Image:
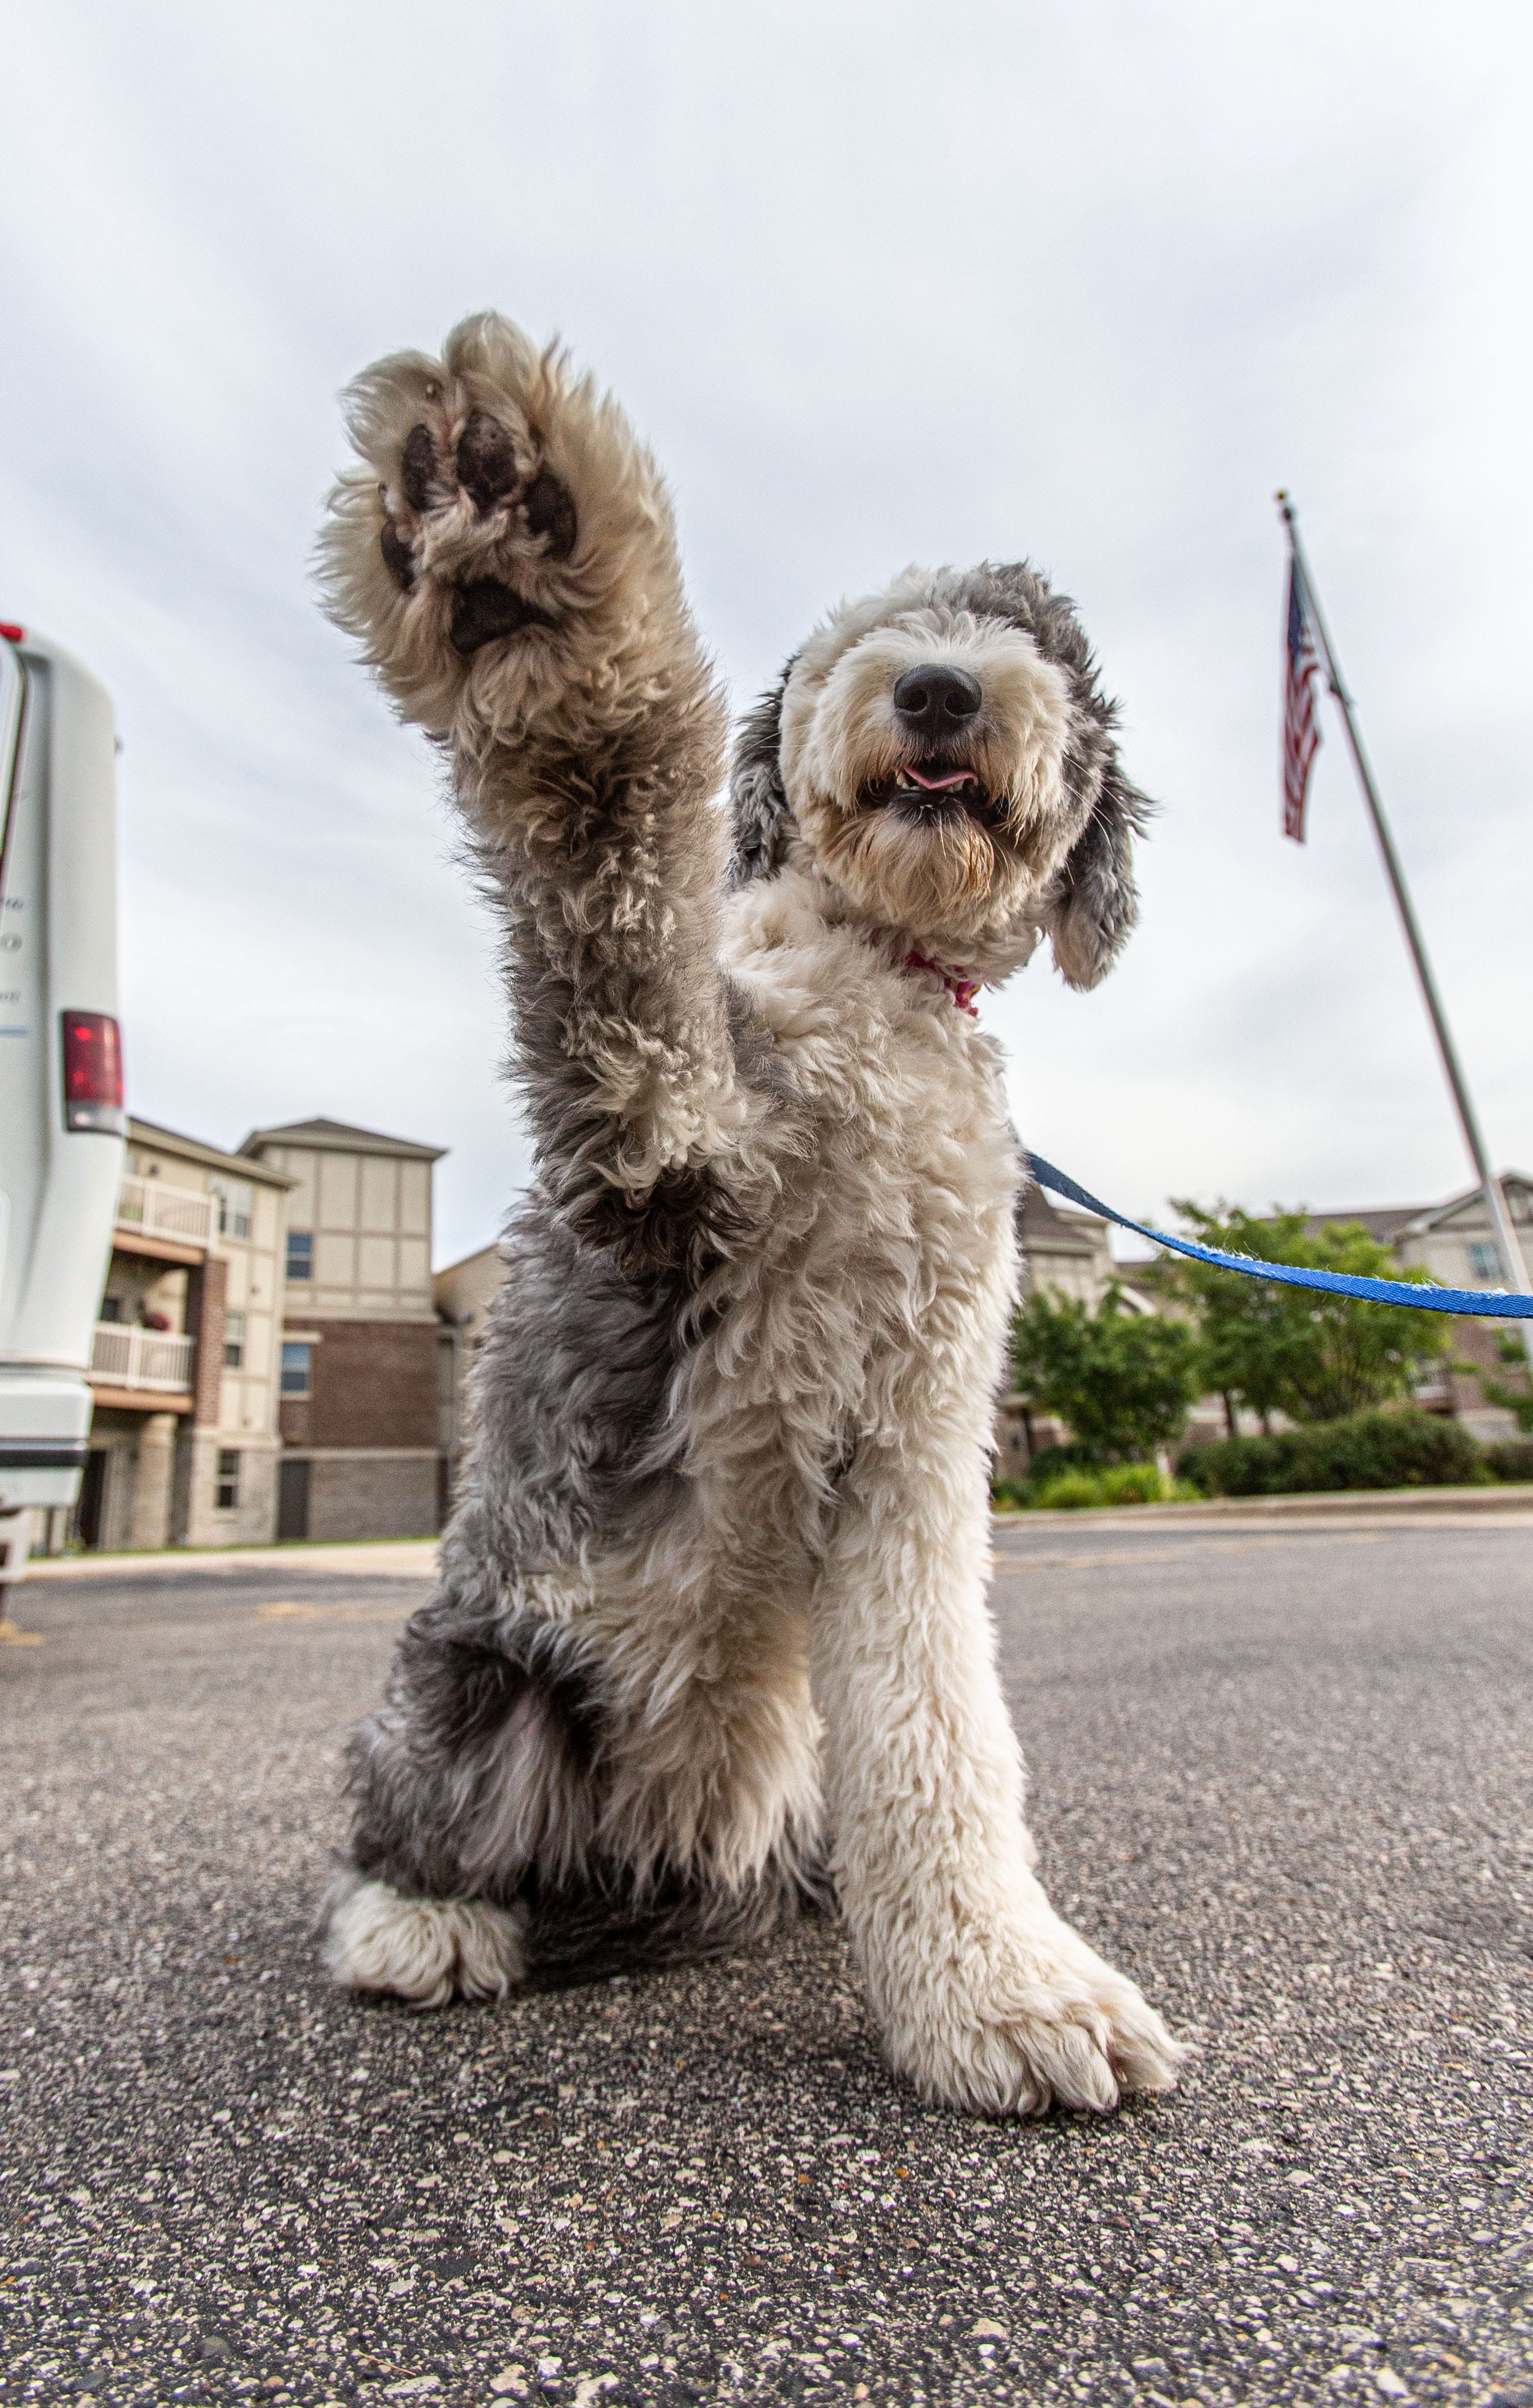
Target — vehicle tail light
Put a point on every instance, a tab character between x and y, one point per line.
12	631
92	1073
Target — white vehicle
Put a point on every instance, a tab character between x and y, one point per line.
61	1069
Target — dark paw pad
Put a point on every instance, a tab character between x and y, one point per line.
550	511
487	469
485	610
418	470
397	557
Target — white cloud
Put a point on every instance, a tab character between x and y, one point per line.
880	283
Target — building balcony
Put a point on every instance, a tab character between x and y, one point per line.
173	1224
140	1366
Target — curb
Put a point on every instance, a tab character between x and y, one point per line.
413	1559
1417	1504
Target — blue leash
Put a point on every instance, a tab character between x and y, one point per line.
1494	1301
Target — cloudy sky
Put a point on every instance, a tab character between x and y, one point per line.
881	283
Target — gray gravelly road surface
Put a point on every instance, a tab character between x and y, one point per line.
1281	1777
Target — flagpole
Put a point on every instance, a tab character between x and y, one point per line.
1514	1269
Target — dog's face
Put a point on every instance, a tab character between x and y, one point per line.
942	752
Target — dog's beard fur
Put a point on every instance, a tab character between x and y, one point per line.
946	874
953	868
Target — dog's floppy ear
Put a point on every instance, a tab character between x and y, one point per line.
758	800
1092	901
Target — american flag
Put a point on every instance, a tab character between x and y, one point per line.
1301	730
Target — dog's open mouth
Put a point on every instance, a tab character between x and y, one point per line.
932	791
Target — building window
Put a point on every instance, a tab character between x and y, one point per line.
296	1354
300	1253
1484	1262
228	1479
235	1206
234	1341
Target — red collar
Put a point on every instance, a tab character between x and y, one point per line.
962	988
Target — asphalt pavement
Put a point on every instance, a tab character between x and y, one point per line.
1282	1776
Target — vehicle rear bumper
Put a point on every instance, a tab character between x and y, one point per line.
45	1422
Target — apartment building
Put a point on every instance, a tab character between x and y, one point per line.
358	1404
185	1358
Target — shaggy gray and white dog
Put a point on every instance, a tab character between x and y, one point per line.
710	1636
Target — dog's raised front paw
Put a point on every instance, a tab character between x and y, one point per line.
1055	2027
467	493
501	503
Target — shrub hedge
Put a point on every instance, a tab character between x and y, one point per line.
1072	1488
1397	1450
1509	1459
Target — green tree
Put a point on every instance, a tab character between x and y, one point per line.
1300	1350
1122	1379
1515	1395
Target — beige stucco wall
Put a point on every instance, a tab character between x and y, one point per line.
370	1217
463	1292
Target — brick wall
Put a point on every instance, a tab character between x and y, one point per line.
373	1384
206	1289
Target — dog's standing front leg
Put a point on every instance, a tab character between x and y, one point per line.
985	1998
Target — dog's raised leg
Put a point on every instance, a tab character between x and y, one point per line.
505	555
986	1999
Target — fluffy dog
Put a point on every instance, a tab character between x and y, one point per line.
710	1635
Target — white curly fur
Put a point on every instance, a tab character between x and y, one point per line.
427	1950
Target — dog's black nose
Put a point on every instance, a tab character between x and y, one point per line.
936	702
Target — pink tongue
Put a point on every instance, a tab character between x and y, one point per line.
936	785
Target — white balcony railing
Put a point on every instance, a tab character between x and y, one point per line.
129	1357
163	1211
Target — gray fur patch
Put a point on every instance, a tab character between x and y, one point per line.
568	1395
458	1687
601	1928
1093	902
763	823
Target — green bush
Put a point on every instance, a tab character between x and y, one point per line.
1121	1483
1067	1492
1008	1496
1399	1450
1134	1484
1509	1458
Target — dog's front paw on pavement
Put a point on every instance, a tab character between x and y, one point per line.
1054	2030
